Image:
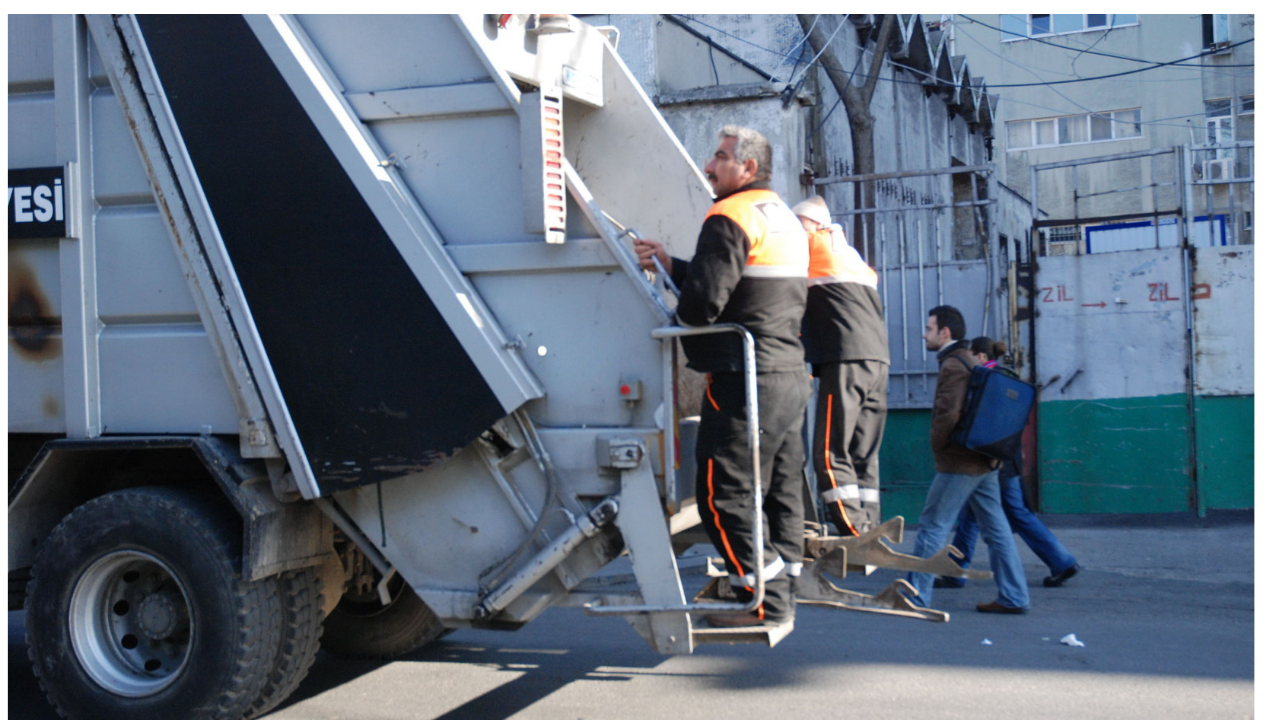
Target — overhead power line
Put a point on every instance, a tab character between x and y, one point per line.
1058	112
1193	77
1153	64
1111	55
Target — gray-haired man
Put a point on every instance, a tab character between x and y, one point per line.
750	268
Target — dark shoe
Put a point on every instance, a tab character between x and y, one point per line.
943	581
995	607
735	619
1065	575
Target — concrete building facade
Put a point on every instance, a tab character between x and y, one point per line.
1132	136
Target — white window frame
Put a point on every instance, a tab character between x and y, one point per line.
1084	22
1088	123
1219	22
1243	98
1226	115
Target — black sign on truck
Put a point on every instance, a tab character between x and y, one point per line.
37	203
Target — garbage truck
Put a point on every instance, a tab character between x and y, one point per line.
325	331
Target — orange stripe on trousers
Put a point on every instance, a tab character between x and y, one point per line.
716	515
831	475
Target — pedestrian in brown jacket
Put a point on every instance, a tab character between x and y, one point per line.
964	477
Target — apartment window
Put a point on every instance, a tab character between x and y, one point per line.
1068	23
1126	124
1216	31
1100	127
1020	27
1074	129
1218	127
1246	105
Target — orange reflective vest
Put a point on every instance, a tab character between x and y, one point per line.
778	242
751	268
844	318
833	260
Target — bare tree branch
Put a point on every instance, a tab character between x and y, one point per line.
857	107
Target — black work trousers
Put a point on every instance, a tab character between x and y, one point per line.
851	413
725	498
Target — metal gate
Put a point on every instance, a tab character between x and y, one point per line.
1142	330
931	235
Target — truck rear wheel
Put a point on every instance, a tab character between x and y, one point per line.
136	609
361	626
302	611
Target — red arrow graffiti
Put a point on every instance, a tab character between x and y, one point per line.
1097	305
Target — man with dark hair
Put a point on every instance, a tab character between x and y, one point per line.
750	268
949	318
964	477
846	341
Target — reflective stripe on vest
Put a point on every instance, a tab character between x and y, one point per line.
833	260
779	245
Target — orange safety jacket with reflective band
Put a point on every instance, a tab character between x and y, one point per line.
778	246
751	267
844	319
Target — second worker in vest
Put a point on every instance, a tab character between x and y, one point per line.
846	341
749	268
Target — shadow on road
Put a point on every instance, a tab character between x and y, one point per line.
1154	602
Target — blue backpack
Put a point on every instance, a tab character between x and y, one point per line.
996	407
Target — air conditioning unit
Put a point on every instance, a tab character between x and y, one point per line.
1221	170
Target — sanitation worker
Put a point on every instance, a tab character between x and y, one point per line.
846	341
750	268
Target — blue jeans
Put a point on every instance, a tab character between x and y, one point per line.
948	495
1022	521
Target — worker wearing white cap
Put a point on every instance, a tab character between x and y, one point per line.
847	343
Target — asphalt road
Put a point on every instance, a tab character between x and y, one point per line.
1164	606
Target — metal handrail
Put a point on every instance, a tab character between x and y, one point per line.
663	276
669	334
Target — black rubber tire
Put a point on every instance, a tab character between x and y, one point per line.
177	551
374	630
302	612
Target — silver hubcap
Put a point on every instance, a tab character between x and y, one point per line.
130	623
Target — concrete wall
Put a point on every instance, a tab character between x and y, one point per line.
699	88
1223	303
1121	428
697	126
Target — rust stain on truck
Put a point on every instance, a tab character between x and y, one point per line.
33	330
